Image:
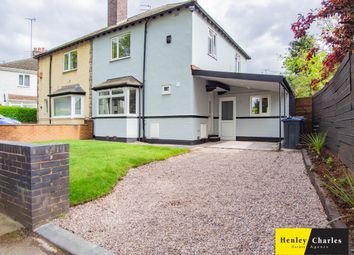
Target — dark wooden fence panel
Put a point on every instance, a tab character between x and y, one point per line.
333	111
304	108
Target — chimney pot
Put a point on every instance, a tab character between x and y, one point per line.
117	11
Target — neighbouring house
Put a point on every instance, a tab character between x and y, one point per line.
64	85
168	75
18	83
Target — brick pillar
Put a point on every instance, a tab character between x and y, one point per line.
34	182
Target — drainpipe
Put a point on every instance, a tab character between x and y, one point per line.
279	117
144	76
50	89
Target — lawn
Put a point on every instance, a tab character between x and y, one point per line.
96	166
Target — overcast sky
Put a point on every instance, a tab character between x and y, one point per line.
261	27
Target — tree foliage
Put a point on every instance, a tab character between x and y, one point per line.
303	64
338	38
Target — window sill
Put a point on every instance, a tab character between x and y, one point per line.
212	56
68	117
117	59
21	86
69	71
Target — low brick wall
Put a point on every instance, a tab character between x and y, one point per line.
45	132
34	182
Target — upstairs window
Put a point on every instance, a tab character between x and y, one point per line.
260	105
70	61
24	80
212	43
121	46
237	63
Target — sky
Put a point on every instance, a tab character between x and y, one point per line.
260	27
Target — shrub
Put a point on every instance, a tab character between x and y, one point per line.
329	161
343	189
316	141
19	113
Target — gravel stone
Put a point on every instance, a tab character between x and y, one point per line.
210	201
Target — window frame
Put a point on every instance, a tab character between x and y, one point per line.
260	114
70	69
117	38
212	37
238	63
23	85
72	107
126	96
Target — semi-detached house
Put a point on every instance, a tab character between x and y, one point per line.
168	75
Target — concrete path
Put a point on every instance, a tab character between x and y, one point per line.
210	201
262	146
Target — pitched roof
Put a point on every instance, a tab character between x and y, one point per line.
144	16
24	64
118	82
69	90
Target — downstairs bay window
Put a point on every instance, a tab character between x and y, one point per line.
118	102
70	106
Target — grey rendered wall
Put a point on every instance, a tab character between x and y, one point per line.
226	53
165	64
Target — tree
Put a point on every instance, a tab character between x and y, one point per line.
338	38
303	66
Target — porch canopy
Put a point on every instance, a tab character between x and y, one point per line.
220	81
246	80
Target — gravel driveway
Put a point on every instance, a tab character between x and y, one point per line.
210	201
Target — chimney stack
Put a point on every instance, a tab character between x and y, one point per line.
117	11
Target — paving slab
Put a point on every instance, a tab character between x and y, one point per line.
8	225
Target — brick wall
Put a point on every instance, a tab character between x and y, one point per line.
304	108
34	182
44	132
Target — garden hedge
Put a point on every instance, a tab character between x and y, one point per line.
19	113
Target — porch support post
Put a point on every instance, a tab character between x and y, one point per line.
284	102
279	117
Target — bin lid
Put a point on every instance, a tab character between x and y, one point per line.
291	118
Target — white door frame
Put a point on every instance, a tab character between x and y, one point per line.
234	117
210	113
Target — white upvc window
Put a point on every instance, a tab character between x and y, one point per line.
260	105
70	61
212	43
120	46
70	106
238	63
24	80
117	102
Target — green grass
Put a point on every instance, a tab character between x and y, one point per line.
96	166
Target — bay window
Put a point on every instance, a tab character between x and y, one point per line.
260	105
117	102
70	106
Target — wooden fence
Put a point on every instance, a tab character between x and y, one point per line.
333	111
304	108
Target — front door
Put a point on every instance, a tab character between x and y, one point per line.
227	121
